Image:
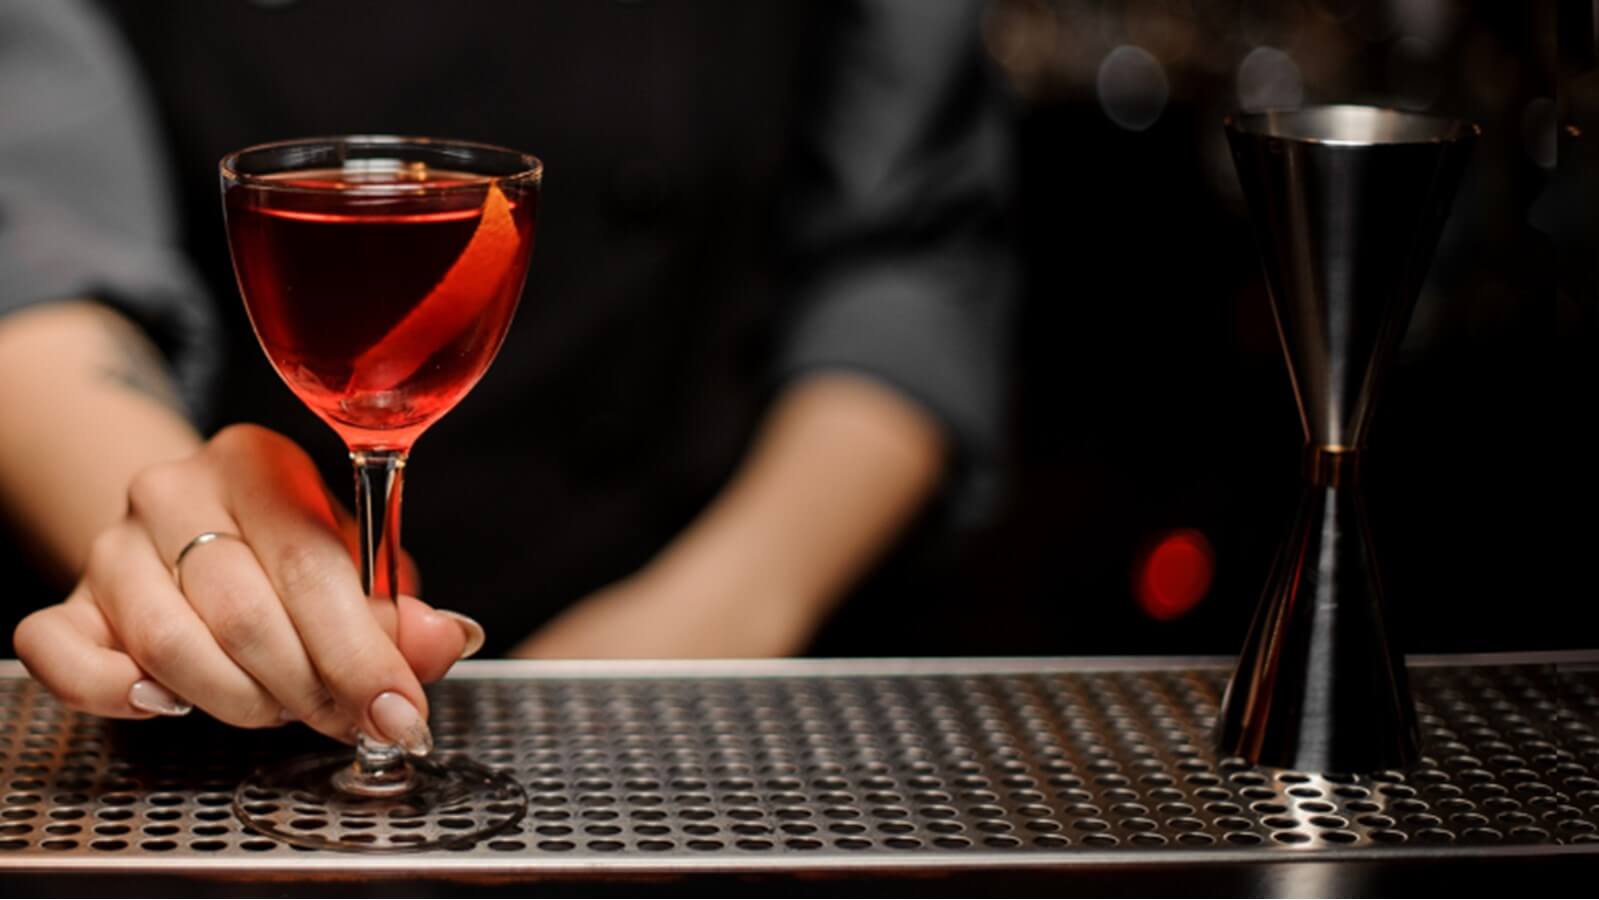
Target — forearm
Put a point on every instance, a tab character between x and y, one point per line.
840	466
85	402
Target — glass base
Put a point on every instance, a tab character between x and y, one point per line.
449	802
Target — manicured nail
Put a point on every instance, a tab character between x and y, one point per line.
399	722
150	697
470	628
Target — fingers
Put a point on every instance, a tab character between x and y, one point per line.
233	597
224	584
270	627
275	494
432	640
68	649
158	628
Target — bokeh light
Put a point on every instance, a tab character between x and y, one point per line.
1132	87
1268	78
1175	575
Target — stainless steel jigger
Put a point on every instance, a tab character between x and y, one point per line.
1347	204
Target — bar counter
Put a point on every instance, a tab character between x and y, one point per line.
920	776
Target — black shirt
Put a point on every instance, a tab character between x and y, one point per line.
735	194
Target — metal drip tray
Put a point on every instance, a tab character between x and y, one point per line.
853	767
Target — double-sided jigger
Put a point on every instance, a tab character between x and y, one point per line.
1347	204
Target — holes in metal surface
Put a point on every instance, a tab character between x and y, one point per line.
1091	825
1139	824
1043	825
1029	758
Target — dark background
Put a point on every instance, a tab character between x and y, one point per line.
1150	393
1148	396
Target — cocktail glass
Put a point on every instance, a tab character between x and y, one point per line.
380	275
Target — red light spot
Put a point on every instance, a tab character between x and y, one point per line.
1175	574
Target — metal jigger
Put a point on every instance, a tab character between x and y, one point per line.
1347	204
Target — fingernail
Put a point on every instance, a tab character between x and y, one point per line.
150	697
472	630
287	715
399	722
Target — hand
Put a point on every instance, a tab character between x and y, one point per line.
840	465
667	615
260	631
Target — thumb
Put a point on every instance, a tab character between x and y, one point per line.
432	640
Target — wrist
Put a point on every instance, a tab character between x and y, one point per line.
840	465
723	593
101	378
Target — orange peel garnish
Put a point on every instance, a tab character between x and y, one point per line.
452	305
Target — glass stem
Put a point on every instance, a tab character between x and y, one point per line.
380	769
378	479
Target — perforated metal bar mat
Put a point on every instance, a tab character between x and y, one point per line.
817	766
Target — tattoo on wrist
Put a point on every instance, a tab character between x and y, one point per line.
137	365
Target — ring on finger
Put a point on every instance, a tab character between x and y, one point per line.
199	540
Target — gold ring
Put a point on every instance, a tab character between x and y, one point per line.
199	540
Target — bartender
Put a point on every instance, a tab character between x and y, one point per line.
761	343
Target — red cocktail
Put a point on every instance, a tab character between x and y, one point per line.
380	294
381	275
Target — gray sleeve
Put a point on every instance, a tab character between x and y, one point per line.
902	258
85	207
